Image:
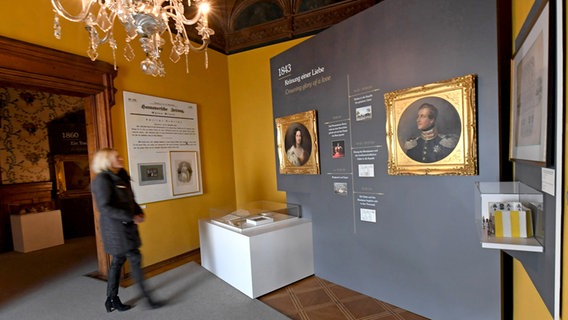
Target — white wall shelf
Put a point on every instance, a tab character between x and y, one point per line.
491	192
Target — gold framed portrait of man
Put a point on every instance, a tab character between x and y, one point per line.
431	129
297	138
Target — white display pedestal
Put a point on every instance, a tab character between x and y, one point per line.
259	260
34	231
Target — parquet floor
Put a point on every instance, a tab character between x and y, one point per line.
314	298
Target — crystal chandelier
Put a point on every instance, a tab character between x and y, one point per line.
146	19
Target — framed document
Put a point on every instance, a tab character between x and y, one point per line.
529	96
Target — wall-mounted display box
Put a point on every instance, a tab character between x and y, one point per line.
259	247
506	202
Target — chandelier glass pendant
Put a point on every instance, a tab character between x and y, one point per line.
146	19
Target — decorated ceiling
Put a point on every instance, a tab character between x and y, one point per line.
246	24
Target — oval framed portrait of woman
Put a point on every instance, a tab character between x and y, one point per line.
297	143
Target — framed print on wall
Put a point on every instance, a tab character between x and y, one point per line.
185	172
298	143
152	173
431	129
529	96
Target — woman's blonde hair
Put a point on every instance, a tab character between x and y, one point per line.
102	160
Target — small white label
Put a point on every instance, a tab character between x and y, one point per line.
548	185
368	215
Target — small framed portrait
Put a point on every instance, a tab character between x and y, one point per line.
431	129
338	149
151	173
72	175
185	172
298	143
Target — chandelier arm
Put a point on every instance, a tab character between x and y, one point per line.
182	18
171	34
111	19
78	18
201	47
204	45
103	40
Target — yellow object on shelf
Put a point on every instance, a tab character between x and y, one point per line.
513	224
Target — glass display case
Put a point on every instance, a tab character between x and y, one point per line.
509	216
258	247
254	215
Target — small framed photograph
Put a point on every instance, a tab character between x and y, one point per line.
529	97
298	143
151	173
185	172
431	129
340	188
364	113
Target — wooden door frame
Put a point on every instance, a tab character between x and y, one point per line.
25	65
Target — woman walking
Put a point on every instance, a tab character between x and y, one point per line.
119	219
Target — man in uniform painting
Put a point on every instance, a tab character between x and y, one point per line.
430	146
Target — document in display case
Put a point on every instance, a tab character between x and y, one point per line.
254	214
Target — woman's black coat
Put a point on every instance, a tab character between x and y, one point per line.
115	200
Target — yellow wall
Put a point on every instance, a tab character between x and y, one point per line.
564	270
253	125
527	303
171	226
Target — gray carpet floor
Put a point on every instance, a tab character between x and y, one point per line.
189	292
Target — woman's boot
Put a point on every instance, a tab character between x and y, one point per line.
113	303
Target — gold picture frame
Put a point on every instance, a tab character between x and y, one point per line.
72	175
302	157
441	140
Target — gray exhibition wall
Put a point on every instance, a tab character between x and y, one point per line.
423	253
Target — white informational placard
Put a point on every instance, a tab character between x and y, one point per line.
548	183
163	147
